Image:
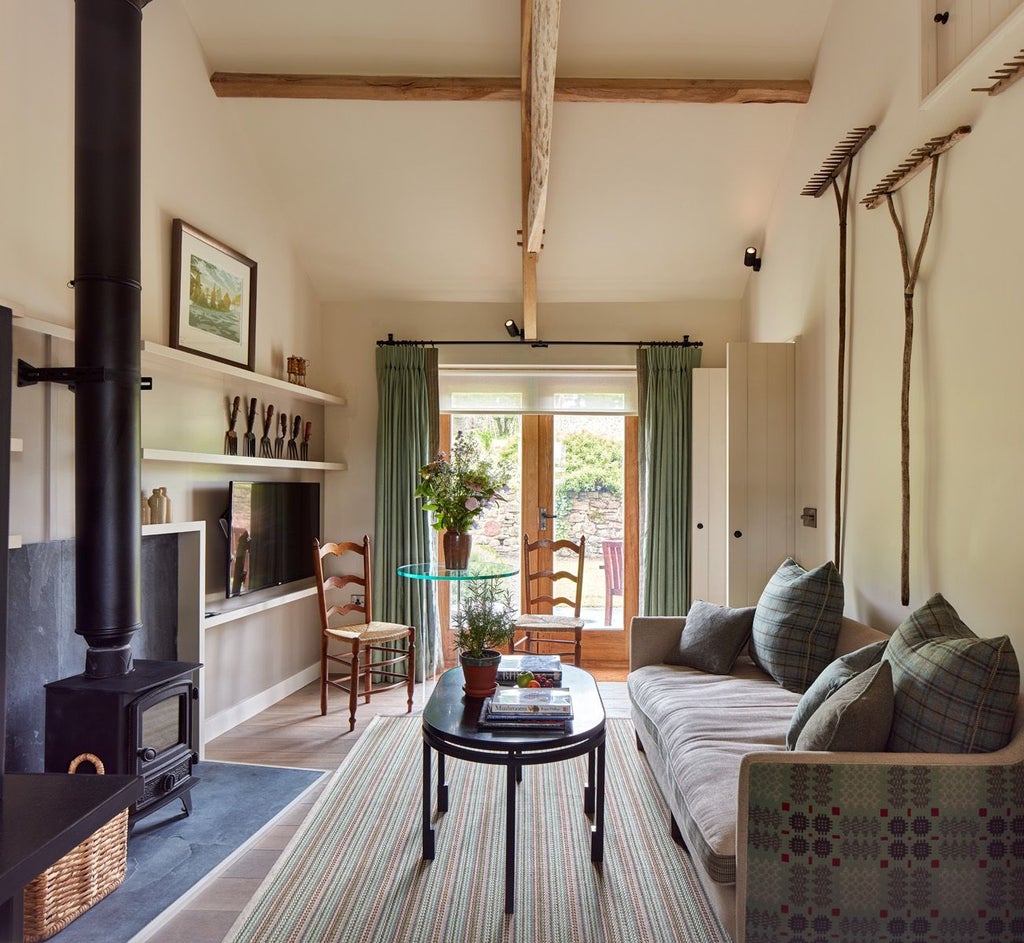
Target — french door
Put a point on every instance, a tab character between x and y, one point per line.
570	475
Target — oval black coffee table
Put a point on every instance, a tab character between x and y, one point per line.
450	727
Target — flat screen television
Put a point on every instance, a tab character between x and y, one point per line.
270	526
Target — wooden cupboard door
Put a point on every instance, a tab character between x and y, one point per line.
708	486
760	455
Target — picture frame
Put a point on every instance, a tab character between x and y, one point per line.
213	298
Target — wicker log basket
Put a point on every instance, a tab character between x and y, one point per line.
84	876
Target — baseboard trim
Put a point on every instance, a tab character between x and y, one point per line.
225	720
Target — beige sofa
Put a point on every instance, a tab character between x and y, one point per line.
802	846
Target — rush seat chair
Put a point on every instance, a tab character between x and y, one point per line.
373	656
539	632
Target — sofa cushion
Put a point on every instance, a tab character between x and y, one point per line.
856	718
696	728
712	638
954	692
796	623
665	689
835	675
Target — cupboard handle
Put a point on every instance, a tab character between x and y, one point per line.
700	526
737	533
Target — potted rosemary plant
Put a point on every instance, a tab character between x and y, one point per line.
484	622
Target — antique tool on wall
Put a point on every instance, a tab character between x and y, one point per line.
919	158
282	422
827	177
231	437
304	448
293	449
268	421
250	436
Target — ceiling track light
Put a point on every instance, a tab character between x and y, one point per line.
751	259
514	330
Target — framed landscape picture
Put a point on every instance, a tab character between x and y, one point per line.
213	298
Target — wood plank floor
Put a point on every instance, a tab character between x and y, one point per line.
292	733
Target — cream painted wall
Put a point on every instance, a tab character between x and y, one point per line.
968	385
351	332
192	167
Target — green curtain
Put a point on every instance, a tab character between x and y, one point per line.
407	436
665	385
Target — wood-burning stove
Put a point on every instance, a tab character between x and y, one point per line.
142	724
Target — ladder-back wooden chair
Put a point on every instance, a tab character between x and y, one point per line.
548	633
612	566
364	640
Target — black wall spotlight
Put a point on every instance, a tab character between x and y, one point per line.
751	259
514	330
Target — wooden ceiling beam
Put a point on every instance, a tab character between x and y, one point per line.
501	88
525	96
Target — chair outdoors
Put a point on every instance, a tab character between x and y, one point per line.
612	566
547	633
365	641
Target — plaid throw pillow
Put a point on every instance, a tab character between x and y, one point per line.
954	692
796	623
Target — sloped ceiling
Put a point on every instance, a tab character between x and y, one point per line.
421	200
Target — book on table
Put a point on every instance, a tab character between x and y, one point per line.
490	720
540	666
532	701
520	722
527	709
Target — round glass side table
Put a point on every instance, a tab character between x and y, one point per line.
475	571
438	572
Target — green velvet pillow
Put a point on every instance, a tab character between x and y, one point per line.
955	692
712	638
796	623
843	669
856	719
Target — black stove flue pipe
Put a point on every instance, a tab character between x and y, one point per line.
108	122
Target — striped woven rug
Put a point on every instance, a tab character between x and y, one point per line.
354	874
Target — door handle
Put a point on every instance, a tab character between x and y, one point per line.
545	517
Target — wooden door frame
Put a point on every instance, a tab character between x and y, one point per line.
602	648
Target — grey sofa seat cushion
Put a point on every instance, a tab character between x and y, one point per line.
659	689
702	760
697	728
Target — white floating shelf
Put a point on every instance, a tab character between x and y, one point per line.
176	527
237	461
44	327
157	353
223	610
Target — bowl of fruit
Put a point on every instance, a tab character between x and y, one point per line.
527	679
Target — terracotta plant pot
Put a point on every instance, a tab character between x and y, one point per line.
456	547
481	673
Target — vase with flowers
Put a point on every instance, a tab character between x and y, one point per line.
457	488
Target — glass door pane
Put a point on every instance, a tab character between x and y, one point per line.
497	535
589	489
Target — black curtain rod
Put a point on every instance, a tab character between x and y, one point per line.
520	342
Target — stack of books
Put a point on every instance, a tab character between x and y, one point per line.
527	709
548	667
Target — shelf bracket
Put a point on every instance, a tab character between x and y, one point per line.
69	376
